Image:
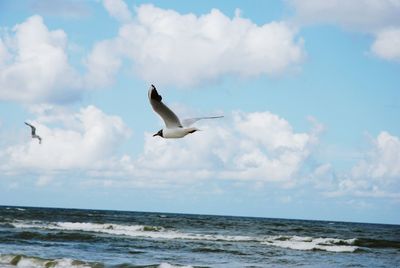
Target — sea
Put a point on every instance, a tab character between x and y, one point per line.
57	237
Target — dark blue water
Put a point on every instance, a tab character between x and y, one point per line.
49	237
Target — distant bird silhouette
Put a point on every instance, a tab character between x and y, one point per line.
33	133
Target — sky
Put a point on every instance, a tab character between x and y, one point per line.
309	90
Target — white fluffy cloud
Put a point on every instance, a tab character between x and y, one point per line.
383	162
4	55
249	147
376	175
270	130
185	49
118	9
254	147
163	46
90	140
102	64
380	18
387	44
34	65
35	68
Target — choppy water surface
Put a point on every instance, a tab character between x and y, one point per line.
49	237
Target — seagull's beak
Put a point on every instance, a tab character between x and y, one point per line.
159	133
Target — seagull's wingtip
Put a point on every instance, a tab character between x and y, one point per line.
153	94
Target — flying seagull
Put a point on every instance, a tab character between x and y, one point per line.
174	128
33	133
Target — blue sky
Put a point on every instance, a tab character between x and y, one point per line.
309	90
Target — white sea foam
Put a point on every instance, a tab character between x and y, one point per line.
130	230
167	265
310	243
8	260
158	232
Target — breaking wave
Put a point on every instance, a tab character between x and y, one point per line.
88	232
17	260
156	232
311	243
11	260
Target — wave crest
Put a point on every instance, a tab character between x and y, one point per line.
159	232
156	232
311	243
28	261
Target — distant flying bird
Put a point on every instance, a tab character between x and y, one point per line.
174	128
33	133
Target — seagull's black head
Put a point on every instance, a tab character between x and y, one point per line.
159	133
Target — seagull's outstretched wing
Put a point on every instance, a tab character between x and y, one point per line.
189	121
170	119
32	127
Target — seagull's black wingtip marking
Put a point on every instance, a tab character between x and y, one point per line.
154	94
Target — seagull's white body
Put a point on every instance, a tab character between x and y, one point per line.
173	129
175	133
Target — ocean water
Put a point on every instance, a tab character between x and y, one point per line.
51	237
